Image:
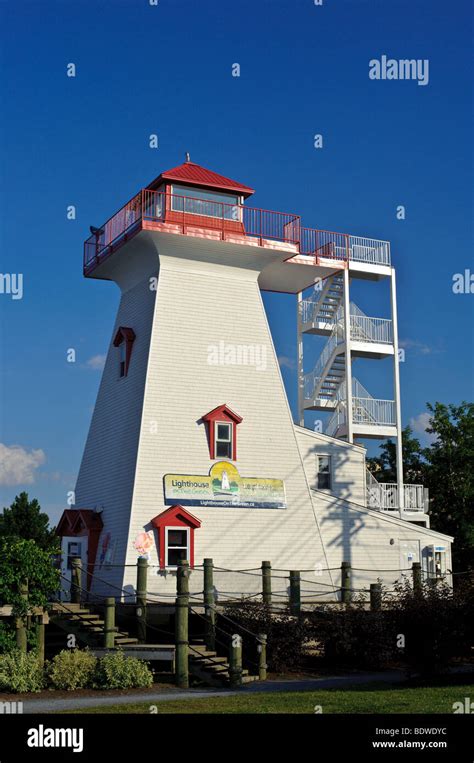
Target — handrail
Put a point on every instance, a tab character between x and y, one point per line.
262	224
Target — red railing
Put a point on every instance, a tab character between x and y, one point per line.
230	220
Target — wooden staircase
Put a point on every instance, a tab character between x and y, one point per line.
207	667
87	627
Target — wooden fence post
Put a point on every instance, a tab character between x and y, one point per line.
209	604
181	626
20	623
40	634
267	582
345	582
295	592
262	656
235	661
375	596
140	610
109	622
417	584
76	580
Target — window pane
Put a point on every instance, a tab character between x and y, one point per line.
223	431
324	481
208	203
177	538
176	555
323	463
223	449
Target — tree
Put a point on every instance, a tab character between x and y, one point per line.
22	561
450	476
384	467
24	519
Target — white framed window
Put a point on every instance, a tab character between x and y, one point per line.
324	475
197	201
176	545
223	439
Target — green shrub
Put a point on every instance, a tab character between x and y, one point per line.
20	672
115	671
7	636
71	669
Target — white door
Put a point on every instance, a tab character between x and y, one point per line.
70	548
409	553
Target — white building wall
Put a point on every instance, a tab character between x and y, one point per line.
107	472
197	307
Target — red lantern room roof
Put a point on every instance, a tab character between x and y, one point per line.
193	174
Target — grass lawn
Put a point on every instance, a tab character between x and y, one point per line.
367	698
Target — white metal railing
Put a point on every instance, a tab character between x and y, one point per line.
369	410
367	329
337	420
384	496
312	378
369	250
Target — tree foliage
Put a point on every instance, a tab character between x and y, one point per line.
22	561
24	519
446	467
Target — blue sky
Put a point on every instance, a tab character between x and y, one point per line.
166	69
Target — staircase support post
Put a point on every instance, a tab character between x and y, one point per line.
396	386
417	585
20	623
140	610
76	580
262	656
235	661
181	626
209	604
109	622
267	583
375	597
299	339
345	583
348	356
295	592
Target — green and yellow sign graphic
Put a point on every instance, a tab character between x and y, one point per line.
224	487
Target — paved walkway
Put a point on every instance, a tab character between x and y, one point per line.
55	705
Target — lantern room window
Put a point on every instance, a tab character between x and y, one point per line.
195	201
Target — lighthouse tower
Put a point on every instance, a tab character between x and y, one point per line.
192	451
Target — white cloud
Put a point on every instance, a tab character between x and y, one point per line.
419	424
418	348
17	465
286	362
96	362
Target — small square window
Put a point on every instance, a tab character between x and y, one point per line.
324	472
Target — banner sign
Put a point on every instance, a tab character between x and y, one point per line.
224	487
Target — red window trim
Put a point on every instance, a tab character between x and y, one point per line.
175	516
221	415
127	335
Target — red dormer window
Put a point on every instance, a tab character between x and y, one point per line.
222	432
124	339
175	528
